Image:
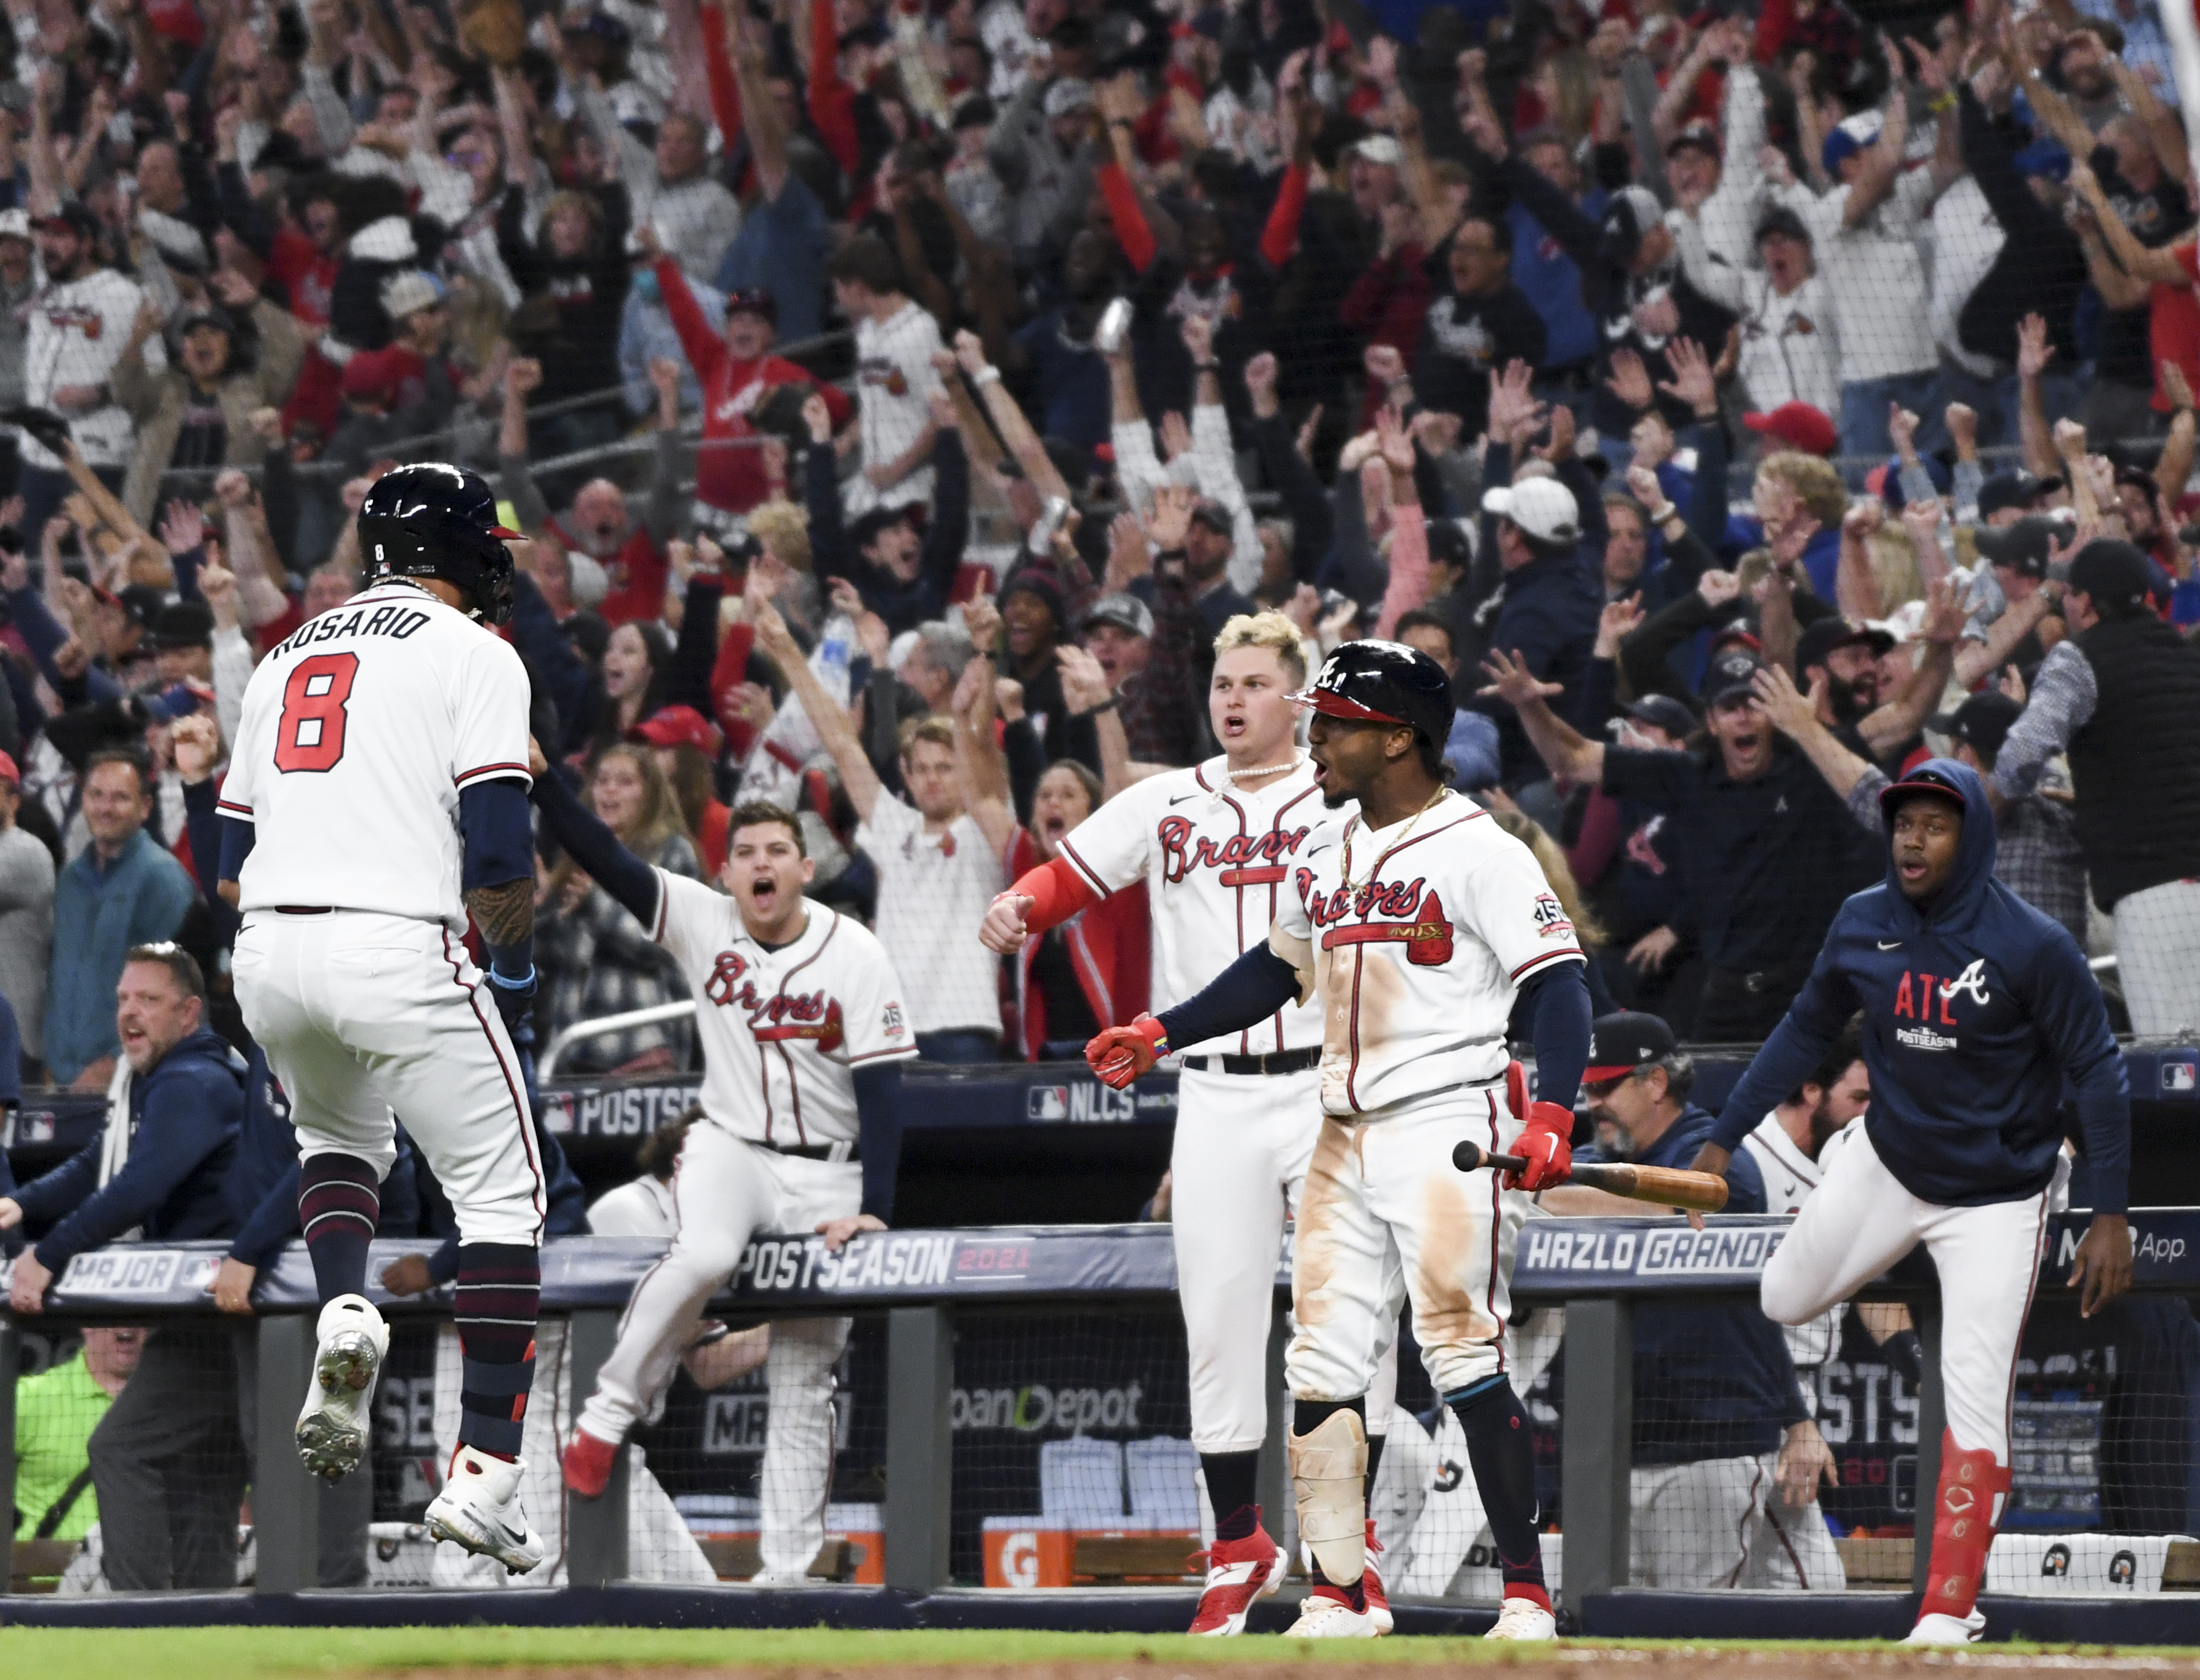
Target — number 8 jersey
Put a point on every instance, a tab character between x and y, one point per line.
360	731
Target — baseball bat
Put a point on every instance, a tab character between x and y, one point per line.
1669	1187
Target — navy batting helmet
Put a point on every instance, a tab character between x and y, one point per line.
1383	682
435	520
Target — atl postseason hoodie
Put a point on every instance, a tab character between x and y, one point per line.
1976	1007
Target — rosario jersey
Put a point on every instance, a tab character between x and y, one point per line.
360	730
1417	937
782	1030
1216	862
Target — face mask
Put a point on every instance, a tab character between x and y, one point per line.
645	287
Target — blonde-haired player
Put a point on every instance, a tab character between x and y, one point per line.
1215	844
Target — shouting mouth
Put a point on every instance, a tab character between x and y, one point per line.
764	893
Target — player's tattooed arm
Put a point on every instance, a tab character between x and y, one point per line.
505	912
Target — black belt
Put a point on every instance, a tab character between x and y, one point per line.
813	1152
1275	1062
305	909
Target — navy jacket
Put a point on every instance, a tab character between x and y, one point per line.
1549	615
1975	1010
185	1116
1710	1381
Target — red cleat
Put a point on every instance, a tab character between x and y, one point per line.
587	1463
1378	1606
1237	1572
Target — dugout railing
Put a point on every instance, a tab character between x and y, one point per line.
921	1295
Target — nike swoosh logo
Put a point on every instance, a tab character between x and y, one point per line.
1179	802
1233	1574
1890	944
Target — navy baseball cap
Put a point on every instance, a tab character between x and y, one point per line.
1620	1043
1732	675
1981	723
1662	711
1923	782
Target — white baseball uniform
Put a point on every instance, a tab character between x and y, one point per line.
1417	938
75	337
359	733
1215	860
782	1030
1790	1176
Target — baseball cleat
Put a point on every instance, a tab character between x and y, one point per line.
352	1342
1523	1618
479	1509
587	1463
1326	1613
1238	1572
1939	1630
1378	1606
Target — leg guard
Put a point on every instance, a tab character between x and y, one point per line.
1329	1465
1964	1514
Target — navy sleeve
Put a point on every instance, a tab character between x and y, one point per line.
543	644
1706	511
1797	1044
272	1224
236	838
179	1128
55	1191
618	872
203	824
696	652
949	533
821	488
1560	998
498	837
1243	995
2066	1004
878	1113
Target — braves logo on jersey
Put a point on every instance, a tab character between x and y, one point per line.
1927	1004
1244	860
1419	923
783	1015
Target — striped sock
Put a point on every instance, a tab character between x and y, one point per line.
500	1291
339	1200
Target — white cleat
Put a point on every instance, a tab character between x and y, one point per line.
1938	1629
479	1509
1523	1619
1321	1617
352	1342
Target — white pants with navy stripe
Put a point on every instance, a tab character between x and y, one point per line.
1720	1522
726	1191
361	1014
1386	1221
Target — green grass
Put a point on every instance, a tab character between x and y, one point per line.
246	1653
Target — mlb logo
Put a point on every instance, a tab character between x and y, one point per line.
557	1111
2179	1078
1047	1102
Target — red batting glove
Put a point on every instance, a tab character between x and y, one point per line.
1545	1147
1516	1090
1119	1055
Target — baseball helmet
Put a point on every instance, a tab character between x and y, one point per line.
435	520
1383	682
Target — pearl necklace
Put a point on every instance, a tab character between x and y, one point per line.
1344	863
1266	770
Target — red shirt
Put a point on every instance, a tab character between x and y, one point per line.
636	575
2173	323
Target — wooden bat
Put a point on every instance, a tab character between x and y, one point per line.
1669	1186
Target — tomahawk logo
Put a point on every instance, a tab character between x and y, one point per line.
1971	983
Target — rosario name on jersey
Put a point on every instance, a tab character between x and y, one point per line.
360	731
782	1030
1216	860
1419	955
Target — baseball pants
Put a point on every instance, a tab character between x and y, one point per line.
726	1191
1720	1522
659	1546
361	1014
2158	957
1386	1221
1861	1220
1236	1171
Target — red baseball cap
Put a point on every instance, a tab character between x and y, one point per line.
1798	425
680	726
9	773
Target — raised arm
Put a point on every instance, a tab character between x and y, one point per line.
629	881
826	714
1557	742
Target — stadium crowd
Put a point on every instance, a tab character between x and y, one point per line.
901	399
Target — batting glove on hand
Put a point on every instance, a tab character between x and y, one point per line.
1119	1055
1544	1146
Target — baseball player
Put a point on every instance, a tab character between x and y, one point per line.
1419	921
1977	1009
375	796
1215	844
804	1032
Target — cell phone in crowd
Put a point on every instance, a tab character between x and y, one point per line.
1049	522
1115	324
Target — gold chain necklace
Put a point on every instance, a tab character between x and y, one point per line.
1345	861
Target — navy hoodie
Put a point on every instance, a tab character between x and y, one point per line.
183	1120
1976	1008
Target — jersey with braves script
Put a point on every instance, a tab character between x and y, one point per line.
894	380
1419	937
360	729
1790	1176
783	1029
74	336
1216	862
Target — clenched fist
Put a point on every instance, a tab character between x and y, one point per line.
1119	1055
1003	929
